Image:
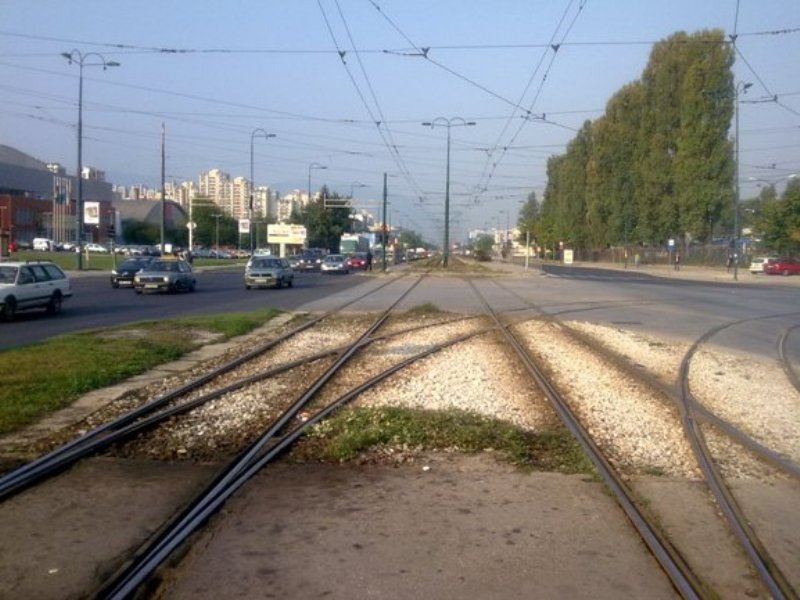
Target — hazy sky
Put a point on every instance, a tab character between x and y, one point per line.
215	71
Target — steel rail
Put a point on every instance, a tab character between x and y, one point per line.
282	444
672	391
44	465
674	565
773	578
151	420
147	559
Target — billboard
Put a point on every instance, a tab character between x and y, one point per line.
244	225
91	213
280	233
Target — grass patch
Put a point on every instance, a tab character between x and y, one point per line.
44	377
421	310
353	431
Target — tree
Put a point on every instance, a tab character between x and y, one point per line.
325	225
780	221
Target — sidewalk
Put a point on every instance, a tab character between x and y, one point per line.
686	272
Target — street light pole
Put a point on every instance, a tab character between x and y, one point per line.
457	121
353	185
253	135
313	165
217	216
740	87
78	57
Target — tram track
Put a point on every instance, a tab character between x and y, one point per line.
678	394
293	428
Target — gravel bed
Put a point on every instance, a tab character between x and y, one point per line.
640	432
752	393
637	431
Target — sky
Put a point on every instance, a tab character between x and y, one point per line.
348	84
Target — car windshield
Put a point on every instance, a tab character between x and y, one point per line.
132	264
266	263
163	265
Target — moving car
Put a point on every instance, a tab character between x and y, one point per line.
309	261
32	284
782	266
358	260
122	274
165	275
92	247
335	263
268	271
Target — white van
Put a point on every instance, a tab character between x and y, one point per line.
44	244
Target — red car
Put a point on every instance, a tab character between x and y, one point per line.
357	260
782	266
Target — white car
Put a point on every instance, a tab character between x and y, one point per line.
92	247
757	266
32	284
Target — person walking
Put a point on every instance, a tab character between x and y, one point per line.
677	261
369	260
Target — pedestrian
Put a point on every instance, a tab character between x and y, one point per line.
636	259
369	260
677	261
730	263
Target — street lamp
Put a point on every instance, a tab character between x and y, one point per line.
353	185
454	121
266	136
82	60
217	216
741	87
313	165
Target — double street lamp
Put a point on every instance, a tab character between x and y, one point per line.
90	59
266	136
452	122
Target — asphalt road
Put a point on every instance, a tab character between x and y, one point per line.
672	305
96	304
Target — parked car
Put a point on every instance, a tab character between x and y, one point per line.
165	275
757	264
358	260
268	271
122	275
782	266
32	284
93	247
335	263
43	244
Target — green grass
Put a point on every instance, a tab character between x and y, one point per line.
44	377
352	431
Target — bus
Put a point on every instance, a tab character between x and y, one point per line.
351	243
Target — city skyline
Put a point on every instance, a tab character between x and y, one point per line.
347	85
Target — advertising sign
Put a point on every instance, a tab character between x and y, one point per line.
244	225
279	233
91	213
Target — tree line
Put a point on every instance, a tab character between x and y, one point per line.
657	165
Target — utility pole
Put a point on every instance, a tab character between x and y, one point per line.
383	222
163	186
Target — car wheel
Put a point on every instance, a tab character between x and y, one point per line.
192	286
785	272
247	287
137	290
54	306
278	283
114	284
290	283
9	309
